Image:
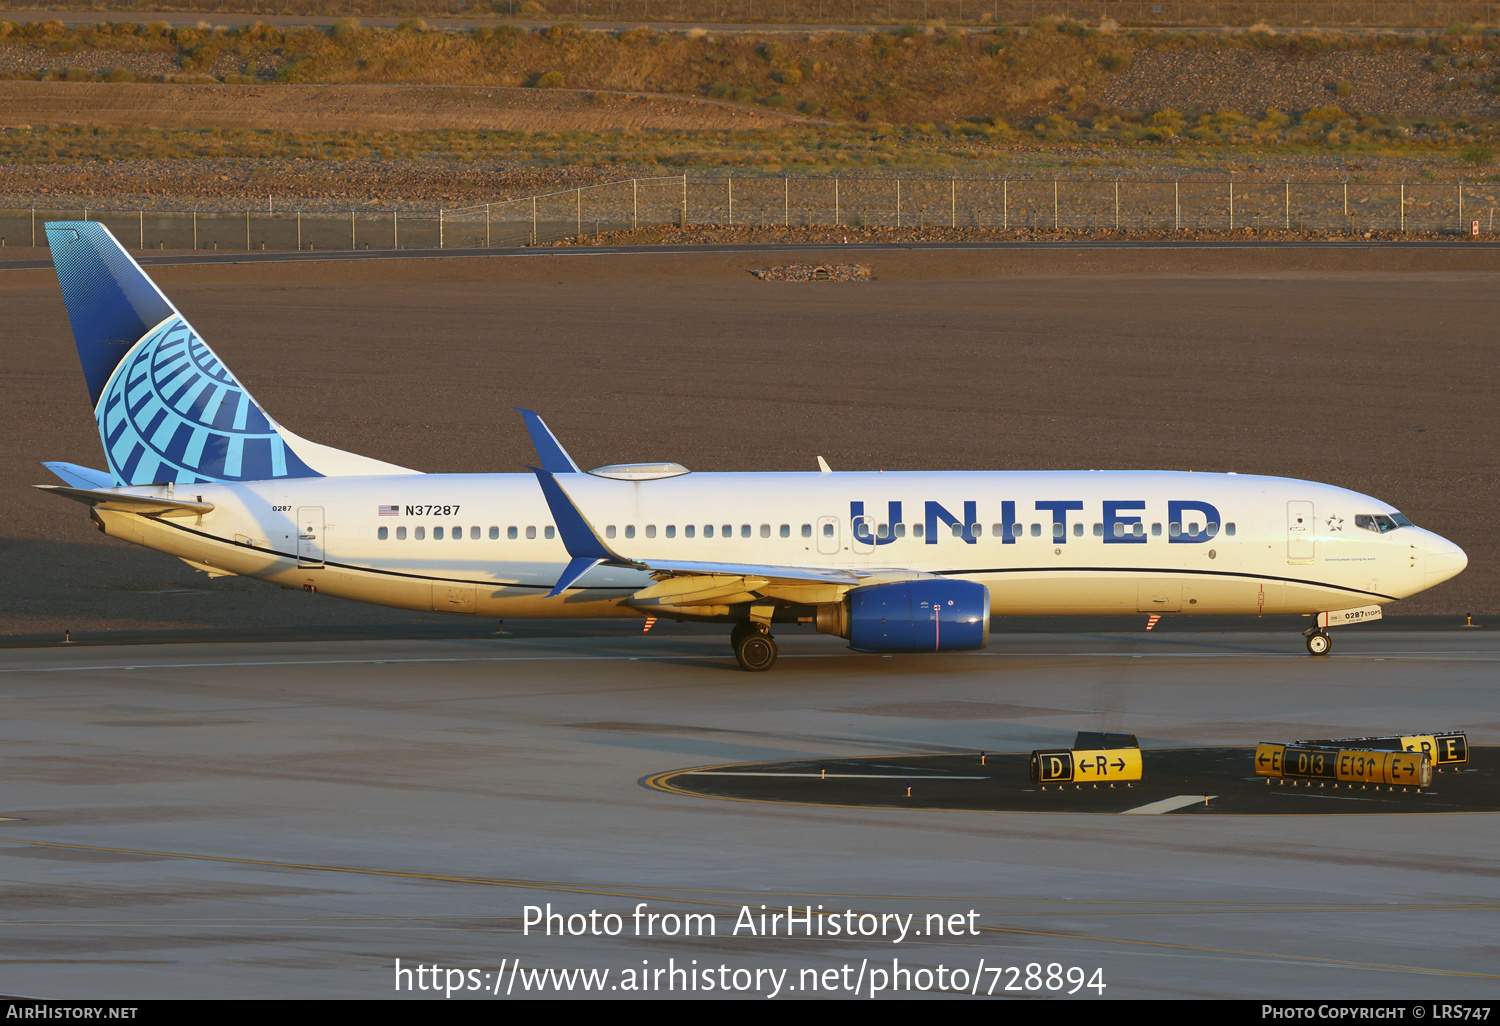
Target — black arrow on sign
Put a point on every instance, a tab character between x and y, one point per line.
1119	764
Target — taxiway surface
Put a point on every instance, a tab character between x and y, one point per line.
289	819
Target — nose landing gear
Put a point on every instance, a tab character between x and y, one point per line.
754	648
1318	641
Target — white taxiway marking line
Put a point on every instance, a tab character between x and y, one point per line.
829	776
1182	801
1418	656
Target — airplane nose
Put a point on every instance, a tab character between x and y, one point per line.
1444	560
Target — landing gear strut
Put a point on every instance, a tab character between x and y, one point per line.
1318	642
754	648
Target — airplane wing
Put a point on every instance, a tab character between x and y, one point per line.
146	505
681	582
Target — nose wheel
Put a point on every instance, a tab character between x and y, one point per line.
754	648
1318	643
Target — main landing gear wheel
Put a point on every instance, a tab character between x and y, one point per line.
755	650
744	629
1319	643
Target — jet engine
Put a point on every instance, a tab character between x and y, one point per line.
928	615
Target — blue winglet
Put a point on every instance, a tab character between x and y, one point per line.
577	536
576	568
555	459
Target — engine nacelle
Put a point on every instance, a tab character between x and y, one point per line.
919	616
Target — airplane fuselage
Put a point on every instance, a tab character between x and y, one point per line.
1054	542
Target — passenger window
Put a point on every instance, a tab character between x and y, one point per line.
437	534
1193	530
510	534
609	532
494	534
727	532
473	534
1077	530
786	530
1213	529
744	530
401	534
958	530
671	530
807	530
916	530
630	530
1015	530
1118	529
1174	529
1138	530
708	530
550	531
1156	530
998	530
457	534
1036	530
531	533
420	533
765	530
900	530
1098	530
650	530
1229	529
383	533
976	531
827	530
883	531
689	530
1058	531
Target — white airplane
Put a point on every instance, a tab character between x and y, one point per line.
899	562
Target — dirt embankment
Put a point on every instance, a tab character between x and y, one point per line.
397	108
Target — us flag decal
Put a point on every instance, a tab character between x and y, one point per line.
388	511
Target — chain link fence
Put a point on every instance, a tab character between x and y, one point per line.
829	12
1023	205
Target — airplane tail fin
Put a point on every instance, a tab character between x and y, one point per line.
168	408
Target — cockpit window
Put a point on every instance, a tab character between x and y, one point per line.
1380	523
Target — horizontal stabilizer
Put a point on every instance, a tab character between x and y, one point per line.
80	477
125	502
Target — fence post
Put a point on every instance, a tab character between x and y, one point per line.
1403	208
1231	204
441	214
684	199
33	227
835	201
729	185
486	226
786	201
578	208
635	203
1005	204
1117	204
1346	203
195	228
352	243
299	231
1177	204
395	228
1461	208
247	229
141	215
533	220
1288	206
1054	204
953	200
898	200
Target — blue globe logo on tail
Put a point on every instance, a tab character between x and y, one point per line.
173	412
